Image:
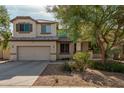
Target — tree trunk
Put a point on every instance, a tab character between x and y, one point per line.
104	55
102	49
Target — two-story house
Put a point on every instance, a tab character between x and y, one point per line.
37	40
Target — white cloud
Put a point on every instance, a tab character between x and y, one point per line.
36	12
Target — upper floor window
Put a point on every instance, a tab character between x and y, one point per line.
45	28
24	27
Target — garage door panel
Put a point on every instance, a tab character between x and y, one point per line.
33	53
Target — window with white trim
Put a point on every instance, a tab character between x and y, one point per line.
24	27
45	28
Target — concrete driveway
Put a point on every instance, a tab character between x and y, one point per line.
20	73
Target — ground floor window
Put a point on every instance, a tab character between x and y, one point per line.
64	48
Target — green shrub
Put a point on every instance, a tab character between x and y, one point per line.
97	65
114	67
67	67
80	61
109	66
81	57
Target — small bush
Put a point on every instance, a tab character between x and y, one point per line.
80	61
109	66
81	57
114	67
67	67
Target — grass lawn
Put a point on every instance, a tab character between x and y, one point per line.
54	75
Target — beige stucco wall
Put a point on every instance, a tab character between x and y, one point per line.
84	46
36	29
97	56
15	44
121	53
18	34
78	46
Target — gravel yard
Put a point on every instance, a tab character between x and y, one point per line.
54	75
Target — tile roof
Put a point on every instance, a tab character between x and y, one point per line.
64	39
45	21
36	20
44	38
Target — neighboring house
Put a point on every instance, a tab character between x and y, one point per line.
37	40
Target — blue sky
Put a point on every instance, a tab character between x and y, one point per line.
33	11
36	12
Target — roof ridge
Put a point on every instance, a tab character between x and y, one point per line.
44	19
36	20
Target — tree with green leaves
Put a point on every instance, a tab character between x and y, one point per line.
4	19
103	25
5	33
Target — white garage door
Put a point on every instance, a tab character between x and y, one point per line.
33	53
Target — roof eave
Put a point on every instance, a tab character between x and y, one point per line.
23	17
28	17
